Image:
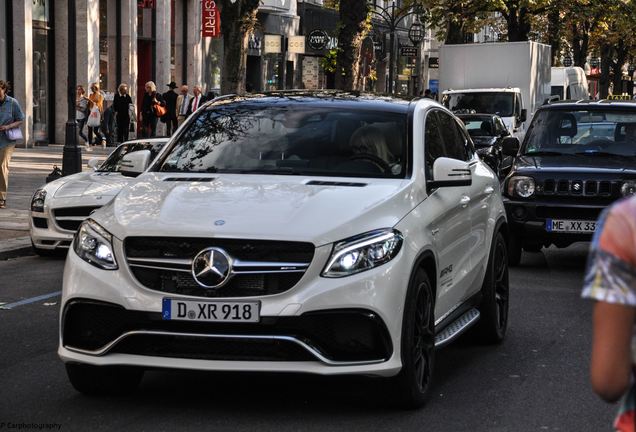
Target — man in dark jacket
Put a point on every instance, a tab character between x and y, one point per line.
171	104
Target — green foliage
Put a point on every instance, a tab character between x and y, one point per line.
328	62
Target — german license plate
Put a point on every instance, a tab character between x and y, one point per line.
210	311
570	226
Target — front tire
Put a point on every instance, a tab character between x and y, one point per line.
103	380
413	383
493	321
514	250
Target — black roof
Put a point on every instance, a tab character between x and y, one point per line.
325	98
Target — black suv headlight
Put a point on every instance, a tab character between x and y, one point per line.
363	252
95	245
37	202
521	186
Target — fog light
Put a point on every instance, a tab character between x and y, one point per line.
519	213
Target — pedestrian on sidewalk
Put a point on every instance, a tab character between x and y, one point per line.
121	105
81	111
610	279
171	105
183	104
195	101
11	117
96	101
152	107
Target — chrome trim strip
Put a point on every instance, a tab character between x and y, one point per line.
70	218
183	270
305	346
472	316
175	261
453	309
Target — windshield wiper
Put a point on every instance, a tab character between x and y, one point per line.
543	153
598	153
273	170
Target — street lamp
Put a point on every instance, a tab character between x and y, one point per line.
391	17
72	154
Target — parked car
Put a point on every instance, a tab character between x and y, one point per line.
59	207
577	158
323	233
488	133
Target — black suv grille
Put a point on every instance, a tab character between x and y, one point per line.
577	187
163	264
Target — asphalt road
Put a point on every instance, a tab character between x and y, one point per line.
537	380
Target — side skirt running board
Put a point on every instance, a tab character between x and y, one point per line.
456	328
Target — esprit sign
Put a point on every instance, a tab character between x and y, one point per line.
211	25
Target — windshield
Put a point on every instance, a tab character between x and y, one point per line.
479	126
500	103
557	91
598	131
254	138
113	162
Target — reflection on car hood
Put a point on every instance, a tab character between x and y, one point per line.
91	183
577	163
256	207
484	141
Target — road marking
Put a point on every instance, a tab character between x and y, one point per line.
30	300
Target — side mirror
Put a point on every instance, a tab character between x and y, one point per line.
523	116
94	163
135	163
510	146
449	172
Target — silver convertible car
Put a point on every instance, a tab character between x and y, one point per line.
58	208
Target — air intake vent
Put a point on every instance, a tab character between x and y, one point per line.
333	183
189	179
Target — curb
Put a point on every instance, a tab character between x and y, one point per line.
15	248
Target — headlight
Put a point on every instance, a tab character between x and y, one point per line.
37	202
363	252
628	188
521	186
94	245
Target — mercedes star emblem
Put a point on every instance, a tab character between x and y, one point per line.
211	268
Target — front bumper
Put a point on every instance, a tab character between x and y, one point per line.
45	234
348	325
527	221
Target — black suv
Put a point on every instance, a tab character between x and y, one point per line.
576	159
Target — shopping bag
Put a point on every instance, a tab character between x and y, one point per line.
14	134
94	118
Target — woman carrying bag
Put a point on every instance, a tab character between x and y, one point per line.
81	112
96	109
152	108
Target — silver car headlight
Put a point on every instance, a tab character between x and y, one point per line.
95	245
521	186
363	252
628	188
37	202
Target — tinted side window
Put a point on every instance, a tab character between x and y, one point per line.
454	141
433	143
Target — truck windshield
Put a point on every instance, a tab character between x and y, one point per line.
585	132
292	139
500	103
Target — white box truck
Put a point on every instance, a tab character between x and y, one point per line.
510	79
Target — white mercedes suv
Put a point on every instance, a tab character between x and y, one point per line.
324	233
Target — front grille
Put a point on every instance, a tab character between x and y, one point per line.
339	335
70	218
261	267
577	187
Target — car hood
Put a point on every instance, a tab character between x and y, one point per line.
256	207
90	184
575	163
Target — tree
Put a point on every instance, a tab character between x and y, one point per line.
238	20
454	20
353	27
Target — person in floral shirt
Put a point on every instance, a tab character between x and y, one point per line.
610	279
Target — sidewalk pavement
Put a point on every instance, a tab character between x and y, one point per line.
27	171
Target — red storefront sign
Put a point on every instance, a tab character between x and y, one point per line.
146	4
211	19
